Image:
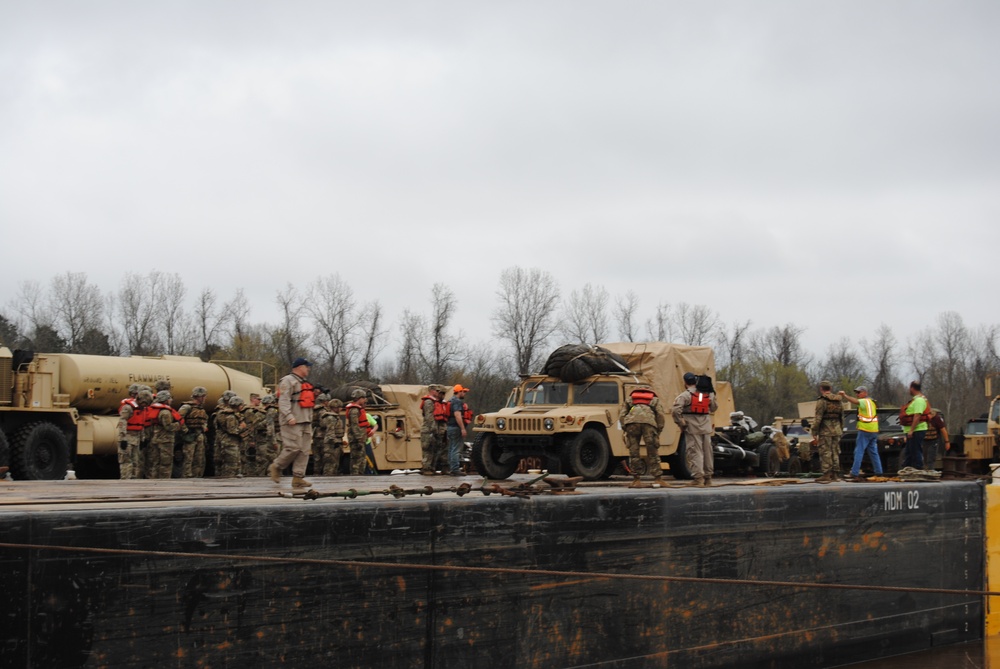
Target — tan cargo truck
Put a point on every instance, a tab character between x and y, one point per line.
575	426
56	407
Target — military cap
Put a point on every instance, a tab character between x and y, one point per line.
335	403
323	397
145	395
268	399
133	389
228	393
235	401
162	384
163	396
690	378
253	395
358	393
825	385
199	391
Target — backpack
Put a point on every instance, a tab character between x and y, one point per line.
704	384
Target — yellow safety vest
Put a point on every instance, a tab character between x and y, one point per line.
867	417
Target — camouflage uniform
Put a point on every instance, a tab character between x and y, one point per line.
332	426
270	434
432	436
193	435
228	441
645	422
129	440
828	425
165	430
257	455
319	433
357	434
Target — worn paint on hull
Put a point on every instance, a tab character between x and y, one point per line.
138	611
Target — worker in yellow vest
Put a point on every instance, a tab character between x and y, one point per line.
867	431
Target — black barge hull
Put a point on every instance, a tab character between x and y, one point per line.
214	608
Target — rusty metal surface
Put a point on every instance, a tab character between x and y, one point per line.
74	609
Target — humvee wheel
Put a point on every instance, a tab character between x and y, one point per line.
794	465
39	453
678	461
4	452
486	457
770	461
588	454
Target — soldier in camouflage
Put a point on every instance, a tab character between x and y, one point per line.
433	429
357	430
166	424
643	419
229	439
332	426
194	434
131	422
268	436
319	432
255	460
827	426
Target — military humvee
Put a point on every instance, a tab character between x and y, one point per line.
575	426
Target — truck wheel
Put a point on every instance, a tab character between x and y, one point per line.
4	452
486	457
40	452
794	465
678	461
770	461
587	455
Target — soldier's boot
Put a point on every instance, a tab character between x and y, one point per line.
708	481
274	472
427	472
658	479
699	482
299	482
828	477
636	483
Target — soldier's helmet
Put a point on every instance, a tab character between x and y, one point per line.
162	384
268	399
358	393
199	391
145	396
336	404
323	397
228	393
235	401
133	389
141	388
163	397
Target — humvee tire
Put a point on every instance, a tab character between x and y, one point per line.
678	461
486	458
39	452
770	461
587	455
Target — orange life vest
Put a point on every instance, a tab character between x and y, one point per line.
362	415
154	412
642	396
441	409
466	414
137	421
700	403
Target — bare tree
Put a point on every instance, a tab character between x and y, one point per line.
782	345
843	366
882	357
525	317
626	310
660	327
372	337
696	324
408	359
30	305
585	316
292	340
76	307
170	311
210	322
442	349
330	303
733	345
137	307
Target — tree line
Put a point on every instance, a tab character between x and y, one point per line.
349	339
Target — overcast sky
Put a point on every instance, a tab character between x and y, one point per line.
831	164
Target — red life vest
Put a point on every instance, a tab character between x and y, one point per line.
442	410
154	412
137	421
307	396
362	415
642	396
466	414
700	403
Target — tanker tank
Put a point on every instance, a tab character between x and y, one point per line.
97	384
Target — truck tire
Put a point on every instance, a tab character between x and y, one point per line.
4	451
486	457
588	455
678	461
794	465
770	461
40	452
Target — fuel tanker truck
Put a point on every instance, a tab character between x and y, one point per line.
57	407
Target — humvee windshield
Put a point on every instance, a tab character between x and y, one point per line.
995	412
546	393
976	427
603	392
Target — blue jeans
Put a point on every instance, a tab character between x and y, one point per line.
867	443
914	455
455	445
